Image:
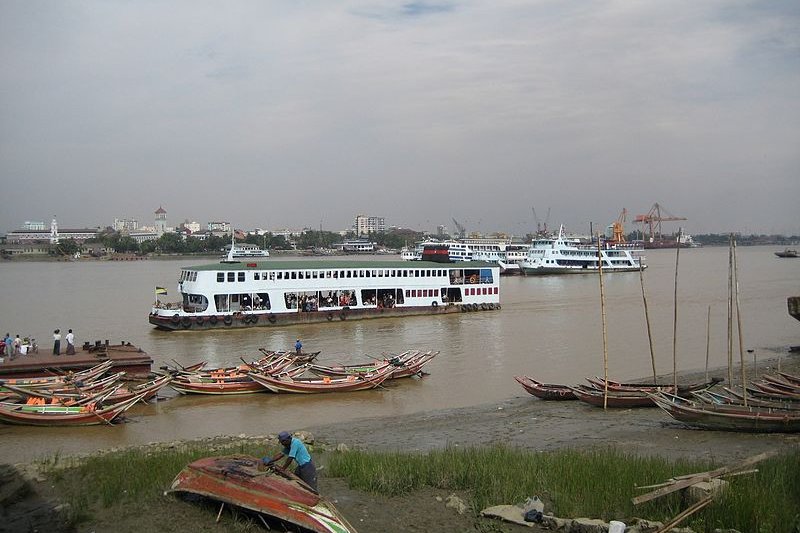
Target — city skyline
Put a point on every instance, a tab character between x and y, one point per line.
304	115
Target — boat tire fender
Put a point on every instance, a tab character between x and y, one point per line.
199	320
434	304
212	320
464	308
484	307
343	315
329	316
254	319
228	320
186	322
497	307
175	318
271	318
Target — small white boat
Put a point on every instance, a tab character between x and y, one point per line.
561	255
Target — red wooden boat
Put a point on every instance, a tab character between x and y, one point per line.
683	388
546	391
595	397
406	364
60	415
315	385
275	494
224	381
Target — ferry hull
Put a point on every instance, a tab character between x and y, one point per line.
191	323
545	271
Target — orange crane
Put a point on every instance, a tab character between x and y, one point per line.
618	227
652	221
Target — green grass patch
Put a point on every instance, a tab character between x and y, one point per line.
597	484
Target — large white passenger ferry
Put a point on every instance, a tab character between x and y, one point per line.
560	255
275	293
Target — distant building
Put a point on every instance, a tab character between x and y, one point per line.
365	225
142	236
161	221
51	236
33	225
219	227
193	227
125	225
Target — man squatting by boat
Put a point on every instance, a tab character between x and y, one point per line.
294	449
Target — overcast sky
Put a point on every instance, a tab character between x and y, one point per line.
277	114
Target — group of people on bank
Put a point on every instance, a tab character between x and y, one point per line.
13	347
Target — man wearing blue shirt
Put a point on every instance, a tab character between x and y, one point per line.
295	450
298	347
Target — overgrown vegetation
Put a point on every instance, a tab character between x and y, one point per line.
596	484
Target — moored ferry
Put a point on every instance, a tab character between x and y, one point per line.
277	293
561	255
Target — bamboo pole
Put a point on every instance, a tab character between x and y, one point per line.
686	514
708	339
603	315
739	325
675	316
647	321
730	309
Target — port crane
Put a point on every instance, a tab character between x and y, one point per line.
539	229
652	221
618	227
462	232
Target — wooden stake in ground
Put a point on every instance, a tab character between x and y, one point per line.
675	316
708	338
730	309
603	315
647	321
739	325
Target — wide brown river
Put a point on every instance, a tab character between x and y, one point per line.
549	328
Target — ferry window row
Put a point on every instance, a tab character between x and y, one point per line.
473	291
413	293
188	275
332	274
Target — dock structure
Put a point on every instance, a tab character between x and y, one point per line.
125	356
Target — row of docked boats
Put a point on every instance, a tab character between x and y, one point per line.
96	397
545	255
73	399
287	372
770	404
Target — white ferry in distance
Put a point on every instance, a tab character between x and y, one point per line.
441	250
277	293
244	251
560	255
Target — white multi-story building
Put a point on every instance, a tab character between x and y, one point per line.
365	225
33	225
126	224
219	227
193	227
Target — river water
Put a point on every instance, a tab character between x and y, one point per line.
549	328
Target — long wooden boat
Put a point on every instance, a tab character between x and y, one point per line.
683	388
596	397
228	382
404	365
59	415
350	383
735	398
775	391
546	391
728	417
69	377
238	481
234	294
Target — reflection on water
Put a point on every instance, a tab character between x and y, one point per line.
548	327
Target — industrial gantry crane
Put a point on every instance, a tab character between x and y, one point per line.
652	221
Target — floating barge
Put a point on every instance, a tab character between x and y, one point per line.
125	357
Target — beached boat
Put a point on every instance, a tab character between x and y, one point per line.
404	365
275	494
61	415
546	391
560	255
597	397
728	417
279	293
787	253
351	383
683	388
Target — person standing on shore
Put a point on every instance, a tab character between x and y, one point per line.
70	343
8	342
57	342
298	347
295	450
